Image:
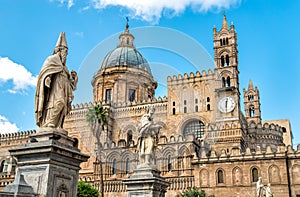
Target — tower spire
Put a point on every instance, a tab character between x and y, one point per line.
126	38
250	85
224	24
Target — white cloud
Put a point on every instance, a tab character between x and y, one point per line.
6	126
20	76
153	10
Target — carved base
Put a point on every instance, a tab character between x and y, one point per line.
146	182
50	163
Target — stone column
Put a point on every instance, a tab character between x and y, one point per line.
49	165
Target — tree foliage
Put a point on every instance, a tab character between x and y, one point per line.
194	192
86	190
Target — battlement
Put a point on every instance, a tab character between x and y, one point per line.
268	153
192	76
16	136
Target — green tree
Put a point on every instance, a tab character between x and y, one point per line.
97	119
86	190
194	192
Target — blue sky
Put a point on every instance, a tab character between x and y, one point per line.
267	43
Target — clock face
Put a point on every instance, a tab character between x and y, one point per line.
226	104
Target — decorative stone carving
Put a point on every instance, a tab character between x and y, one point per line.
204	178
274	174
55	86
237	176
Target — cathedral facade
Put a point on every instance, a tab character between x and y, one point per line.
205	141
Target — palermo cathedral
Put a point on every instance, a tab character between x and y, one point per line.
206	139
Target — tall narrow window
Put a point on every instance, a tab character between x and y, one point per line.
196	101
226	41
114	167
254	173
208	107
227	60
184	110
129	137
251	111
174	111
228	81
196	108
173	103
169	163
223	82
220	176
108	95
127	166
131	96
2	166
208	99
184	102
222	60
220	42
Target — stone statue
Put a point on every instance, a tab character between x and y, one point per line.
148	137
55	86
269	193
259	187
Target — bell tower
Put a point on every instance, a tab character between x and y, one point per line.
252	104
226	71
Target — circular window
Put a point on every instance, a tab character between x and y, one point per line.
196	127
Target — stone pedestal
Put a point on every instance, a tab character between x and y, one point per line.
49	164
146	182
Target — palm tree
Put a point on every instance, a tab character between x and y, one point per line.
97	119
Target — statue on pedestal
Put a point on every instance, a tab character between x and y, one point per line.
259	187
148	137
55	86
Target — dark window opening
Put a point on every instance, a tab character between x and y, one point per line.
223	82
131	95
228	82
114	168
224	41
127	41
254	175
222	60
283	130
196	108
184	110
227	60
127	166
129	137
208	99
2	166
250	97
220	42
208	107
174	111
184	102
169	163
227	41
196	101
174	103
220	176
108	95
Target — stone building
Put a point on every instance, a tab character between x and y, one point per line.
205	141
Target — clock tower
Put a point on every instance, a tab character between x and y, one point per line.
228	116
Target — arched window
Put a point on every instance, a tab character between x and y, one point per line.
224	41
196	101
184	110
196	108
251	111
220	176
174	111
220	42
250	97
222	60
208	107
196	127
223	82
169	163
227	60
127	166
228	81
208	99
129	137
114	167
173	103
227	41
254	173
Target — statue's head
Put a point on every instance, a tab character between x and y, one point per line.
151	110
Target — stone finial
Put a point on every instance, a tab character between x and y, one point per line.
250	85
224	24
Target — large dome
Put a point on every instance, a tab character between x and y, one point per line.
125	56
